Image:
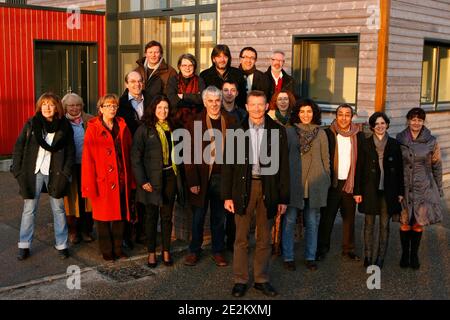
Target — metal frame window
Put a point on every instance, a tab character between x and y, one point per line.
191	12
435	88
326	68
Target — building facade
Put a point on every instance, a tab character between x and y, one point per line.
46	49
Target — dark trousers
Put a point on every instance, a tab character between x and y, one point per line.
263	249
152	212
230	230
110	233
369	224
110	236
217	219
337	200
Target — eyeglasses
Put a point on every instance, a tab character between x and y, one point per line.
248	58
281	61
111	106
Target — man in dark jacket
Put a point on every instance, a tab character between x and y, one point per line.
154	70
132	101
345	142
278	78
203	176
255	79
221	70
257	184
131	108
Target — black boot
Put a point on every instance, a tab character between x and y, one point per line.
415	243
379	262
367	261
405	240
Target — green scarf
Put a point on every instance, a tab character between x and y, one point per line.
161	128
283	119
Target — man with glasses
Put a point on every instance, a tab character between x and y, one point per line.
255	79
278	78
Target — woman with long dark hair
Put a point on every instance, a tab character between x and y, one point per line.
157	175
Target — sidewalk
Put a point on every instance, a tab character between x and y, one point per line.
43	275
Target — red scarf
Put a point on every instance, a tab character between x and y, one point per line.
191	87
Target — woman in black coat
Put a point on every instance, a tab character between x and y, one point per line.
43	155
157	176
379	186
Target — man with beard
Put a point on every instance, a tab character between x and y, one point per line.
221	71
255	79
278	78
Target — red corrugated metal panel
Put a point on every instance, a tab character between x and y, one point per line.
20	27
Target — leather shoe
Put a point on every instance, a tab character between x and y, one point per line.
87	237
191	260
289	265
320	256
74	238
64	253
239	290
379	262
108	256
23	254
152	264
121	255
311	265
167	262
219	260
266	289
351	256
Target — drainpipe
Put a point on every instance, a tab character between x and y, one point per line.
382	56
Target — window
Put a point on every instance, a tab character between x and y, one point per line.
129	32
327	70
129	5
435	90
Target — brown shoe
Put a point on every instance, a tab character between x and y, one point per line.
191	260
289	265
74	238
311	265
219	260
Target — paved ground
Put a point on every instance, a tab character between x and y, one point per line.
43	275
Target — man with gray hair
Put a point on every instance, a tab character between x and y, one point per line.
203	176
278	78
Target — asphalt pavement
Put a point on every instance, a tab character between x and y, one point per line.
44	276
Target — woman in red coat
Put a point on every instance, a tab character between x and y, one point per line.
106	175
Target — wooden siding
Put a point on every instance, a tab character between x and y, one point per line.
267	25
20	28
412	22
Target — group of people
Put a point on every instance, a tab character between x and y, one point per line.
122	168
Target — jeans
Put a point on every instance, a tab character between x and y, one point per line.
311	218
288	233
29	213
217	219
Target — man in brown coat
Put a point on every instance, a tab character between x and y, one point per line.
154	70
203	176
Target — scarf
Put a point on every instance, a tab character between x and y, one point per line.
161	128
75	119
41	127
307	134
283	119
380	146
248	72
191	86
352	133
147	68
213	139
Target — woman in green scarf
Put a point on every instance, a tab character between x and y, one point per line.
157	176
280	107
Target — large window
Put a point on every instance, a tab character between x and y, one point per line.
435	91
181	26
327	70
